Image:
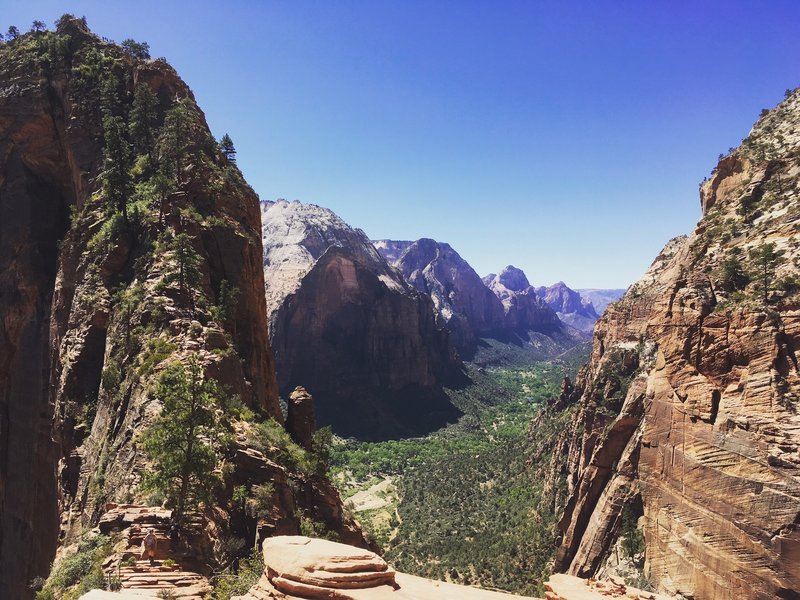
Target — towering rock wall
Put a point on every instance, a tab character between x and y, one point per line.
99	291
349	329
688	411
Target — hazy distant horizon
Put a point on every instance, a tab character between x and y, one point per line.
568	141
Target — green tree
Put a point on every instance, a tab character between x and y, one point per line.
38	26
186	440
143	119
116	176
186	262
12	33
733	275
227	148
765	262
140	50
175	139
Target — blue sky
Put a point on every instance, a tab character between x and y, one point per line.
566	138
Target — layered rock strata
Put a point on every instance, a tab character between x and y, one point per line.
349	329
687	414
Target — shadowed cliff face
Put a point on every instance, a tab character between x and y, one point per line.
345	326
690	403
88	314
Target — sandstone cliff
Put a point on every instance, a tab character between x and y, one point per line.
466	307
349	329
524	309
687	414
105	160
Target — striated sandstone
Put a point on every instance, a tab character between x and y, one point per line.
688	409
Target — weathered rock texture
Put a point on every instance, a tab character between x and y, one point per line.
349	329
689	406
464	305
301	567
524	309
88	315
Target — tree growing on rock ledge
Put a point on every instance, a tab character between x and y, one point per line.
186	439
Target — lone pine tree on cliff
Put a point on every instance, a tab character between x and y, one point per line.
186	439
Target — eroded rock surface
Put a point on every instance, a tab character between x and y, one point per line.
463	303
348	328
689	406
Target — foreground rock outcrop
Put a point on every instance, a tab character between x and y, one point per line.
348	328
301	567
687	415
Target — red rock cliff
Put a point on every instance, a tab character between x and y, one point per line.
689	406
90	304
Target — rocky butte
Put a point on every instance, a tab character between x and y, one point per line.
124	231
687	415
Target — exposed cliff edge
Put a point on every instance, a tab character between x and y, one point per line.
347	327
124	232
687	414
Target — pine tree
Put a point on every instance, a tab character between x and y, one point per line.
175	139
765	262
186	440
227	148
186	262
38	26
143	119
13	33
116	175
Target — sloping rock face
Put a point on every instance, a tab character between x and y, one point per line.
571	308
92	304
563	299
524	309
463	304
349	329
689	406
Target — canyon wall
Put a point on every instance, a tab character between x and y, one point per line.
687	414
348	328
127	241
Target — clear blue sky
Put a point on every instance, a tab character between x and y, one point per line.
567	138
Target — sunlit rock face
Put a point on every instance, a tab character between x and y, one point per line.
688	410
347	327
463	304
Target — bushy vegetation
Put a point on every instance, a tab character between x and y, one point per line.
238	581
78	573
